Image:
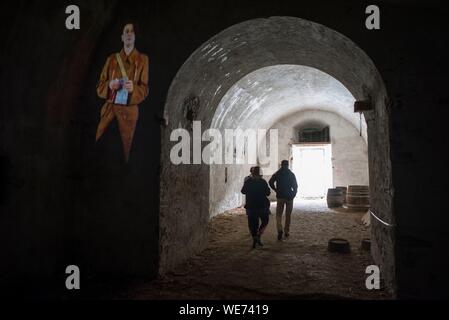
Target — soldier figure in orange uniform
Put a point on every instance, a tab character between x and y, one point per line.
126	72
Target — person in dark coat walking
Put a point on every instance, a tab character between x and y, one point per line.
283	182
257	204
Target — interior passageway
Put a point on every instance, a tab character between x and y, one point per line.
304	76
300	267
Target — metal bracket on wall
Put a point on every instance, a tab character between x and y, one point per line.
363	105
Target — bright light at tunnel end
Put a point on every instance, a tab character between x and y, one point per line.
241	147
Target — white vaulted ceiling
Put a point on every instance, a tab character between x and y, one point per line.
263	97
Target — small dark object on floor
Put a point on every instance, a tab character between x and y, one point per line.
339	245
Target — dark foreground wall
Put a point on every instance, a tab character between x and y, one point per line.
66	201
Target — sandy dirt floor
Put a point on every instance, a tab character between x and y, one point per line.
300	267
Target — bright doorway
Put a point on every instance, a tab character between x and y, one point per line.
312	166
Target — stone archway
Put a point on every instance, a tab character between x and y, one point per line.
207	76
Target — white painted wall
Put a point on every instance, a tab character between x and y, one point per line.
349	150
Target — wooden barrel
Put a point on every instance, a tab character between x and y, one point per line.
343	190
357	197
334	198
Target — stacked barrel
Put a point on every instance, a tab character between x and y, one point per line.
357	197
335	198
344	190
354	197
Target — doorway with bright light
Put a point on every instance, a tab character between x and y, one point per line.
312	166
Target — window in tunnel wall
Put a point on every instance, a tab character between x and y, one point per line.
314	135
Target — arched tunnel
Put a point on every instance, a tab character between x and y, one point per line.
286	68
302	71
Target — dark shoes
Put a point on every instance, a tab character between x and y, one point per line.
280	235
256	241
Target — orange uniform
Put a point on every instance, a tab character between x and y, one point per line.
136	67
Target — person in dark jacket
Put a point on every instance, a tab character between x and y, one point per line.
250	174
257	204
283	182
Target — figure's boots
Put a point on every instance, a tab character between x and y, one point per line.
254	242
280	235
258	241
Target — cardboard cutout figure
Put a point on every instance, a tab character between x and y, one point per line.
124	85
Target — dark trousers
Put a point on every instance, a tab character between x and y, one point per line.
257	220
